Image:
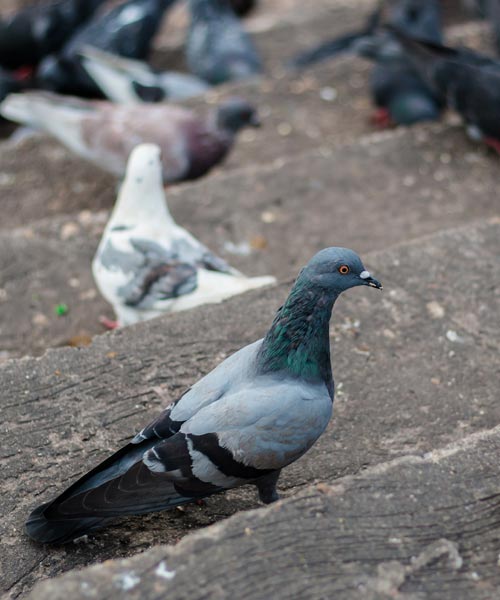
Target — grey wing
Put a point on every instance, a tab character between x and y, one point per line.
161	276
190	249
250	433
209	389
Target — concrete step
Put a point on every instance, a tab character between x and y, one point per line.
368	196
326	106
421	526
416	369
41	271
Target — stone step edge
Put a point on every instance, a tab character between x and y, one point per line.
214	533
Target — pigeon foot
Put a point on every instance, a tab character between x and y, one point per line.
267	487
108	323
493	143
381	119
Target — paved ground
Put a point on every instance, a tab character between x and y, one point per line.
69	409
400	498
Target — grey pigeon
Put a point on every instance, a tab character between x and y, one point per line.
469	82
217	47
257	412
106	133
146	264
128	81
127	29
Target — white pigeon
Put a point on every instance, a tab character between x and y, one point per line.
146	264
130	81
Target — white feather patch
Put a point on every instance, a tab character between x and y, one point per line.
205	470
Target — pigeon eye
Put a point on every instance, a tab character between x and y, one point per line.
343	269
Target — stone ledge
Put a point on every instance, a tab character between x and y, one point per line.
416	369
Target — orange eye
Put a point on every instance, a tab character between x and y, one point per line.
343	269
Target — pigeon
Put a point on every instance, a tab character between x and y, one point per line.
146	264
106	133
127	30
400	93
36	31
217	47
257	412
468	81
128	81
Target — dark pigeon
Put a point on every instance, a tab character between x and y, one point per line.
36	31
106	133
469	82
126	30
217	47
402	96
259	411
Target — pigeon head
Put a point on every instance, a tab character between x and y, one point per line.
298	341
235	114
142	197
336	270
144	164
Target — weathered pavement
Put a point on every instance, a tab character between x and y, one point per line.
432	324
400	498
432	540
385	190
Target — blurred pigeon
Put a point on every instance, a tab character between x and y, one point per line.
127	30
468	81
217	47
401	94
106	133
256	413
146	264
128	81
36	31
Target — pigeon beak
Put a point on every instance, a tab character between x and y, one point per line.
369	280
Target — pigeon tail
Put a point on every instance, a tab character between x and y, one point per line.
121	485
47	531
55	114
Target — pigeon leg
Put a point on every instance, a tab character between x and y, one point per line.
381	118
267	487
493	143
108	323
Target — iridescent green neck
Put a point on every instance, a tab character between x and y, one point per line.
299	341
